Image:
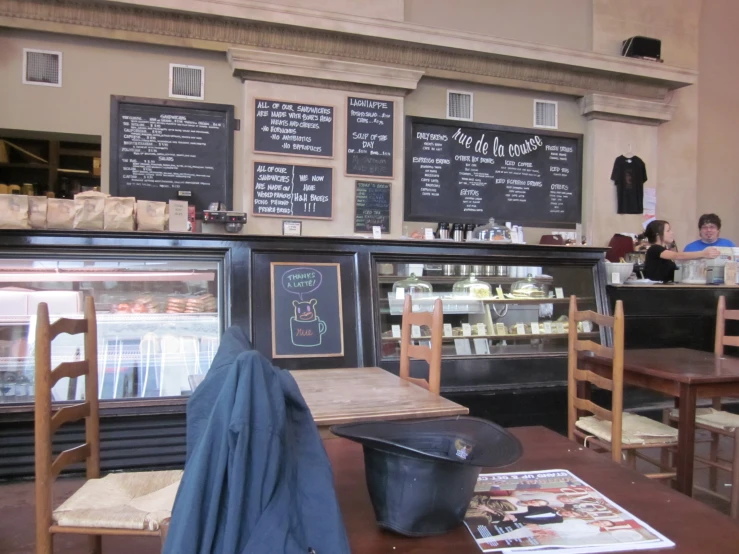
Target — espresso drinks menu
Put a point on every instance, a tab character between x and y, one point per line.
470	173
292	128
286	190
369	137
307	316
165	150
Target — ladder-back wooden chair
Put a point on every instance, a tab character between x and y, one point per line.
118	504
608	430
719	422
432	355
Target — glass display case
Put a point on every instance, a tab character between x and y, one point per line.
159	323
489	310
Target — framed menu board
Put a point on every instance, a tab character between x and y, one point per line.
165	150
369	137
287	190
371	206
470	172
306	310
293	128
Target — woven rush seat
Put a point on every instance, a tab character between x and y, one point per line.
139	500
711	417
636	430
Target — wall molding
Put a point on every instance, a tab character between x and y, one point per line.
437	53
628	110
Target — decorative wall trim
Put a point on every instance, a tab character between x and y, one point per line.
252	60
614	108
444	54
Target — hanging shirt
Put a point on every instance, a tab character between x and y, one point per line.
629	176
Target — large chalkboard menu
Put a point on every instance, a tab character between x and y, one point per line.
286	190
469	173
165	150
372	206
307	317
369	137
292	128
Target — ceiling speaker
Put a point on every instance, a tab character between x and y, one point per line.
642	47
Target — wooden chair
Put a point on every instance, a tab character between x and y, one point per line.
118	504
718	422
608	430
434	321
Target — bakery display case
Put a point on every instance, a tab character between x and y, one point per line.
159	323
489	310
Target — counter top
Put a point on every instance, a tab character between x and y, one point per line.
674	286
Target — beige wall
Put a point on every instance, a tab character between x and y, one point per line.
565	23
92	71
380	9
718	115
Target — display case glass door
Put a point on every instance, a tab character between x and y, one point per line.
159	323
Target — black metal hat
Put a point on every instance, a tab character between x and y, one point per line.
421	474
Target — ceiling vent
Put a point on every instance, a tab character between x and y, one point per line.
459	105
42	67
545	114
186	81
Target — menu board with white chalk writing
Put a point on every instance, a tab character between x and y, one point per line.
372	206
469	173
369	137
286	190
293	128
165	150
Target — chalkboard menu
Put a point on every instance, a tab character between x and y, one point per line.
165	150
292	128
306	310
372	206
286	190
369	137
469	173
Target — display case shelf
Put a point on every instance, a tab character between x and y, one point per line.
70	276
451	279
528	336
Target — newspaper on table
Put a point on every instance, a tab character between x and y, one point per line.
552	510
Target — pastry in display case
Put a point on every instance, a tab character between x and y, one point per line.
514	311
158	324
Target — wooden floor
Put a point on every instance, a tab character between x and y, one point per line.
17	518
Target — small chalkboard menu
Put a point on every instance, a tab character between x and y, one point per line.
292	128
472	172
369	137
286	190
165	150
307	317
372	206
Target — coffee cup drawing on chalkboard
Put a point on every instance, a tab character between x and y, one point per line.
306	328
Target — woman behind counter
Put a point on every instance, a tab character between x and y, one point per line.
659	264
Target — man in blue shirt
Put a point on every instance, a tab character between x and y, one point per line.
709	227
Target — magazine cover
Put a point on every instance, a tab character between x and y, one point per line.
553	509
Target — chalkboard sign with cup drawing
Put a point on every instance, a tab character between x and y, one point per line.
471	172
369	137
286	190
307	316
371	206
165	150
293	128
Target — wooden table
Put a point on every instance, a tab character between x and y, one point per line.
685	375
367	394
694	527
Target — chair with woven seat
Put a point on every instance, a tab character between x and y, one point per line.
608	430
719	422
117	504
432	355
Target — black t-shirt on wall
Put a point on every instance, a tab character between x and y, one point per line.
657	268
629	176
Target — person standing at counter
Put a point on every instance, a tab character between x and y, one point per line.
659	264
709	228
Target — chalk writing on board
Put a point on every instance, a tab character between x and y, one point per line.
293	128
306	328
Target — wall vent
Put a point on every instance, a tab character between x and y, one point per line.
186	81
545	114
42	67
459	105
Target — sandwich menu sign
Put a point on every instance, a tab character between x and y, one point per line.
470	173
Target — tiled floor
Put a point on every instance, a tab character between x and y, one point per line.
17	518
